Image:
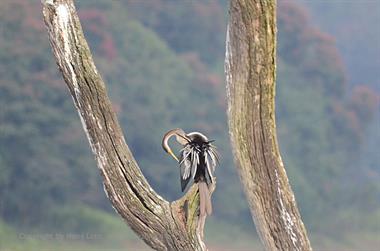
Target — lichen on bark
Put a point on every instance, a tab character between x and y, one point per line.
250	67
161	224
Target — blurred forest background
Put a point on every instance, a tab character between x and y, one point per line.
163	63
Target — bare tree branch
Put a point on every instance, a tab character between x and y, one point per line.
250	72
162	225
250	69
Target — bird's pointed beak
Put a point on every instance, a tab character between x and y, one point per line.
173	155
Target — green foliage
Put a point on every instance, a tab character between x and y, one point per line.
152	90
162	63
354	26
320	129
185	26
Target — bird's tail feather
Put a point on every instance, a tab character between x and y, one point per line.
205	206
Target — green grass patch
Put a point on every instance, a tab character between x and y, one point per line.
87	229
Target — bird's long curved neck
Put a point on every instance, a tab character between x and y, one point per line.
180	137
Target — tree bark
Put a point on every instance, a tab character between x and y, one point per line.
161	224
251	73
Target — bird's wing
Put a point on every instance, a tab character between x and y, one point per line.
214	156
211	160
185	166
209	167
194	162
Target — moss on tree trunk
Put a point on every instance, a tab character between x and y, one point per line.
251	74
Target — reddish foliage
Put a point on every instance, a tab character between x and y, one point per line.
207	9
192	58
355	116
116	107
346	122
203	74
108	46
311	50
23	14
96	23
364	102
213	80
292	16
32	21
97	17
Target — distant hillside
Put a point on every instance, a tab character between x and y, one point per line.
354	25
166	71
152	90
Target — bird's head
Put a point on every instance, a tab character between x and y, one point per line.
181	138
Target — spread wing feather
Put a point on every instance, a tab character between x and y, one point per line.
194	162
185	167
214	155
209	167
211	160
188	165
185	164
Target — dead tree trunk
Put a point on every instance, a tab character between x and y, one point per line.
162	225
251	72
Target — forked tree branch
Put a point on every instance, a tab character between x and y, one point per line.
251	74
162	225
250	69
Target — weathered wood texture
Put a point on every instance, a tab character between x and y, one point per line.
251	73
162	225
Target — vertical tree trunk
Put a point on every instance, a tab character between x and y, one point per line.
251	73
250	68
162	225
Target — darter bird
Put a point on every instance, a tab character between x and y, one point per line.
197	162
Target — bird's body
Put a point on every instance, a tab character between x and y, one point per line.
197	160
197	163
